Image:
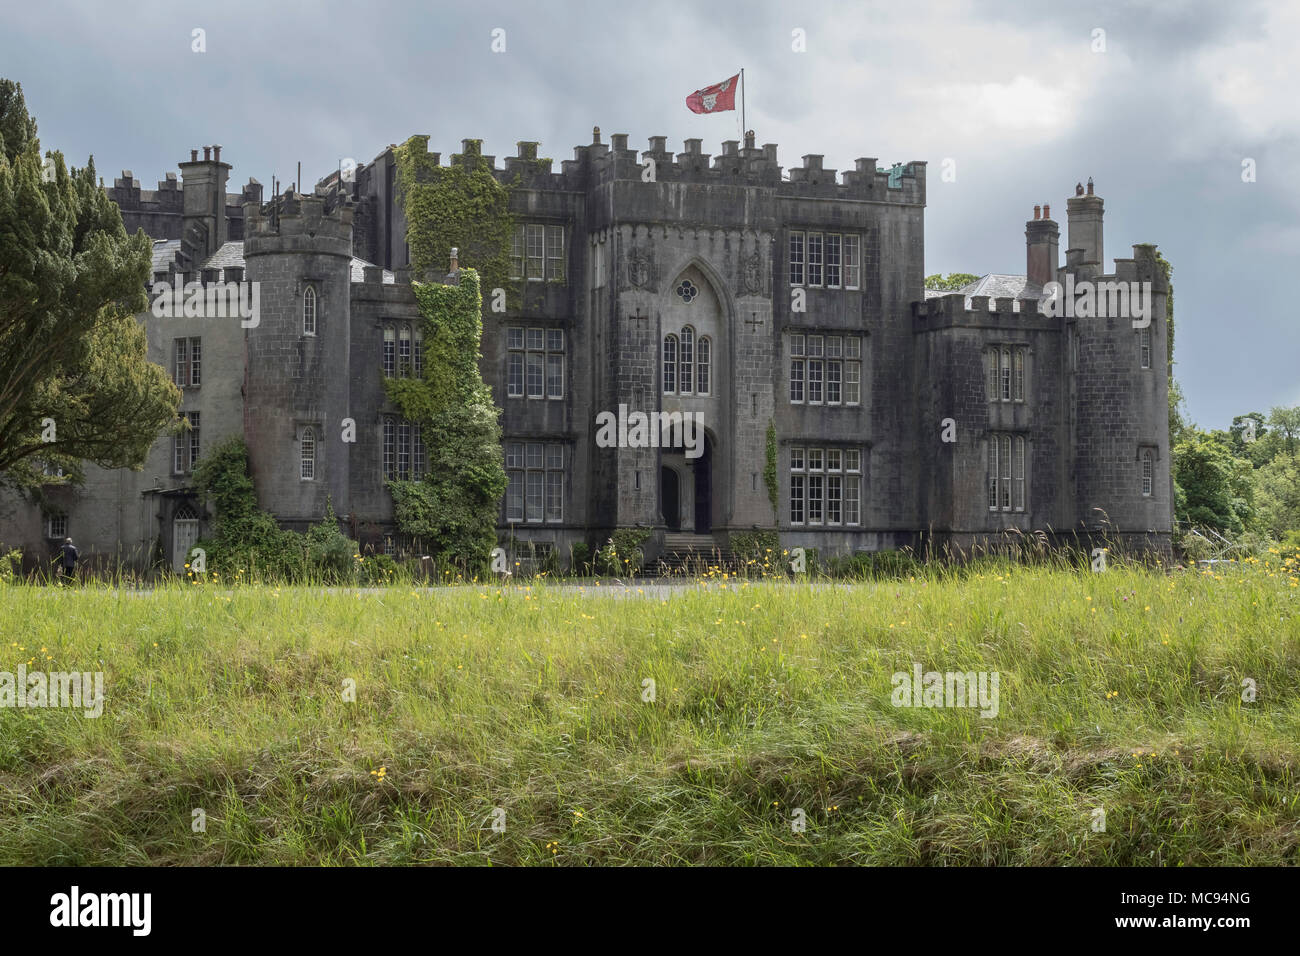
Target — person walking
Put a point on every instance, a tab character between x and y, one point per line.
68	561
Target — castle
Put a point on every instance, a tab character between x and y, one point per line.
784	312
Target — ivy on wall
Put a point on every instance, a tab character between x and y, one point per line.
769	470
461	205
454	507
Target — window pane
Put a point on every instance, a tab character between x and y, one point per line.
815	499
534	374
993	472
196	352
796	345
555	340
535	339
814	381
852	262
702	365
833	459
1004	472
852	460
1006	375
815	346
554	456
554	375
853	347
555	252
515	375
852	383
535	251
796	258
851	492
991	362
1018	474
514	337
390	448
534	499
517	254
796	499
814	459
308	471
554	495
833	383
796	459
515	455
390	353
814	259
404	450
685	358
833	261
670	364
833	492
796	380
515	496
182	374
534	450
419	461
1018	378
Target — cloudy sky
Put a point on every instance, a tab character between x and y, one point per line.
1016	94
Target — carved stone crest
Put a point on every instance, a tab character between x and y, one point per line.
641	268
751	270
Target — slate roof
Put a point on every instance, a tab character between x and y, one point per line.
1001	286
231	255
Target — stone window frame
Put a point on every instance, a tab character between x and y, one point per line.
800	244
1145	352
550	263
681	375
837	469
1007	472
544	348
524	469
402	441
310	309
396	361
52	530
838	362
1147	455
187	360
186	446
1006	373
307	443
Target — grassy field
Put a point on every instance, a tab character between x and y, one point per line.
1119	691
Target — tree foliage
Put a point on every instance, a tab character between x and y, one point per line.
950	283
75	381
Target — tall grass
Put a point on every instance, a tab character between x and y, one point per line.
1121	691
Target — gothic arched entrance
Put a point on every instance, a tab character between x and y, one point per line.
670	499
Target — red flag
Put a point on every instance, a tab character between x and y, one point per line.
714	99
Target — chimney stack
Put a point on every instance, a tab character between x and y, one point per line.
1038	212
1047	211
207	154
1085	218
203	192
1042	248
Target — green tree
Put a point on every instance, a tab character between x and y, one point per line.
76	384
951	283
1213	488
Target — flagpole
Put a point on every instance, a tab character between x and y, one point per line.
743	128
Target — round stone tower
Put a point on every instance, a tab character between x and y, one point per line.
298	254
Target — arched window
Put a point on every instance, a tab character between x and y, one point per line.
417	354
308	449
309	311
670	364
702	350
1148	472
404	352
390	352
686	360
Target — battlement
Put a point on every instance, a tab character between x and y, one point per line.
956	309
294	222
749	165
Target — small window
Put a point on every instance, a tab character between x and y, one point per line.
308	456
309	311
1148	472
555	252
703	351
1144	348
796	258
390	352
56	526
670	364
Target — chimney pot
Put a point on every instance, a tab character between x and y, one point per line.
194	156
749	139
1047	211
1089	185
595	136
1037	211
207	154
1078	189
216	153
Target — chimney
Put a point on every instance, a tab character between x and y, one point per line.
1047	211
1085	218
1038	212
595	136
216	154
1042	242
203	192
749	139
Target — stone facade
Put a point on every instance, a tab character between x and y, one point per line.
804	285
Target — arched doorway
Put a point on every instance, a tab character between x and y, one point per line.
185	534
704	489
670	499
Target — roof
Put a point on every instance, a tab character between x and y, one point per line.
1002	286
231	256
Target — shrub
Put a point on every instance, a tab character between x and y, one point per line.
579	558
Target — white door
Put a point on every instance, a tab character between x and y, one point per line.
185	534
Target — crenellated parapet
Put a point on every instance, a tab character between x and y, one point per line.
981	311
298	223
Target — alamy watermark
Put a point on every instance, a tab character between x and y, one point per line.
208	300
948	689
1087	299
56	689
651	430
